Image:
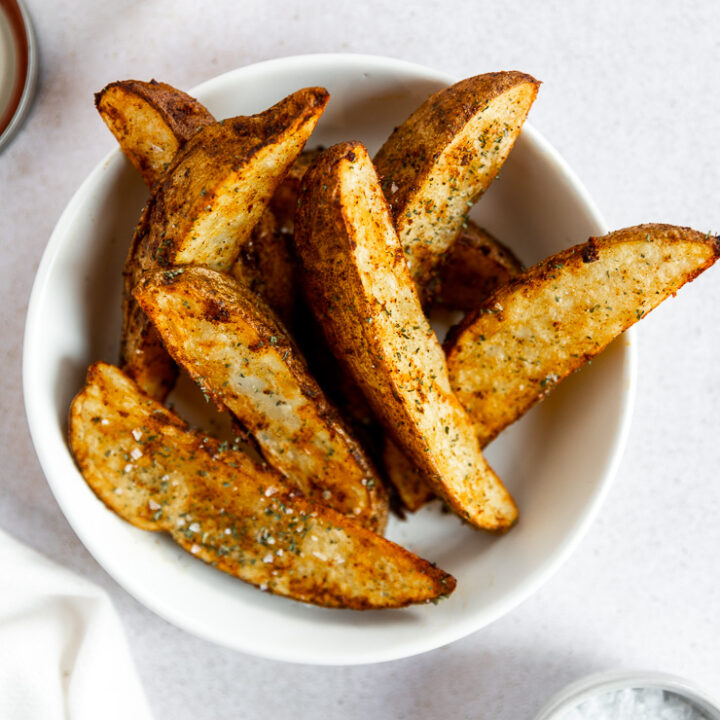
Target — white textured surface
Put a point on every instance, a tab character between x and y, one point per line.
631	98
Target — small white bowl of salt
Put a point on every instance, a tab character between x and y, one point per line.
621	695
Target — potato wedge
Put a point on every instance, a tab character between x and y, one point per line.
205	209
436	165
151	121
224	178
229	341
143	463
412	489
360	288
472	268
546	323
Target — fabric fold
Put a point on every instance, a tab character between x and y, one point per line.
63	650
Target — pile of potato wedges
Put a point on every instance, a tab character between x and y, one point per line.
294	288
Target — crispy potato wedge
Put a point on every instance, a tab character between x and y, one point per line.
151	121
224	178
360	288
205	209
229	341
507	355
436	165
472	268
412	489
143	463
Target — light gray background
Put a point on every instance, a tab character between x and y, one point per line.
631	98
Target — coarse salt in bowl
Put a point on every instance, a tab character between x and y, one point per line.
557	461
631	695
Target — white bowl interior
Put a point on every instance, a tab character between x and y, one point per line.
558	460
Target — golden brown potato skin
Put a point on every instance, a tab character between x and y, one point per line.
437	163
205	209
359	286
143	463
151	121
267	264
473	267
507	355
230	342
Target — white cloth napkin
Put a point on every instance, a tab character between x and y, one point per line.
63	652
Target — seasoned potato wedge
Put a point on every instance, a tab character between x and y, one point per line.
472	268
229	341
411	487
436	164
359	286
144	464
547	322
224	178
205	209
151	121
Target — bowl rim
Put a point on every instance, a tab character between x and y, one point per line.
423	642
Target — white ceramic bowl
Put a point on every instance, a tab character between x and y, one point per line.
558	461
